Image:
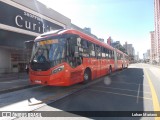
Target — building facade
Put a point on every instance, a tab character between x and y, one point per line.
157	28
125	46
73	26
20	21
153	47
129	49
138	56
87	30
148	54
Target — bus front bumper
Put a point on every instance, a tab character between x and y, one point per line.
51	80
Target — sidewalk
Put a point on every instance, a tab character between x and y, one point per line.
14	81
13	76
157	66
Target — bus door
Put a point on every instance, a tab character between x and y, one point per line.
74	59
115	60
95	64
77	69
93	59
104	67
28	50
98	56
99	67
123	61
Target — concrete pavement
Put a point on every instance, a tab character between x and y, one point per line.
126	90
13	81
133	89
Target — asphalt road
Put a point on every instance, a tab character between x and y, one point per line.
127	90
130	90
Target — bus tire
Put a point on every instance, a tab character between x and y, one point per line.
110	70
86	76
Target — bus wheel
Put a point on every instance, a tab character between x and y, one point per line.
86	76
110	70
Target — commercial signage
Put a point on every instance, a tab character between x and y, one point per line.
18	18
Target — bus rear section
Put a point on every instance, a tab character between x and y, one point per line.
120	59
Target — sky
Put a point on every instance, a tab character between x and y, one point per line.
124	20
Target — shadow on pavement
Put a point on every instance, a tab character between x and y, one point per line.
120	96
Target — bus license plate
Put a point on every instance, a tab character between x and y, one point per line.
38	81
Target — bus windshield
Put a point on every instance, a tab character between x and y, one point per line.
48	50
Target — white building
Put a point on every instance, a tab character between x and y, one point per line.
22	20
153	52
157	28
129	49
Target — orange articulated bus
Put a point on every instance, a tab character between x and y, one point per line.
66	57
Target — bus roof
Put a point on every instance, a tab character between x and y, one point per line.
89	38
81	34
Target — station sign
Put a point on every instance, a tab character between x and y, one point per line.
15	17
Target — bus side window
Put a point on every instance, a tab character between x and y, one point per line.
79	41
98	51
72	44
112	54
121	56
85	47
103	52
107	53
91	46
84	44
118	56
91	49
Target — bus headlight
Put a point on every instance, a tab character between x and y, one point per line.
60	68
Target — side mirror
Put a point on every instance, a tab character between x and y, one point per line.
29	44
27	69
79	41
76	51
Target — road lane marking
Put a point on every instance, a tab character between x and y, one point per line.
120	94
154	95
122	89
138	93
14	81
156	72
63	94
129	83
54	97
